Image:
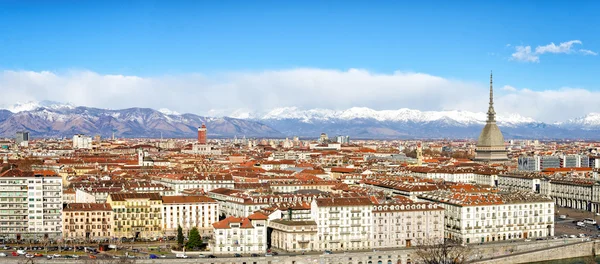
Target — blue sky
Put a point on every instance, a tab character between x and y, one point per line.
458	41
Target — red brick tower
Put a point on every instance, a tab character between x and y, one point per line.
202	134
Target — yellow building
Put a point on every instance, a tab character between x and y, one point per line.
137	215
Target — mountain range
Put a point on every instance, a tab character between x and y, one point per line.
53	119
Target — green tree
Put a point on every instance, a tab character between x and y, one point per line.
179	236
194	240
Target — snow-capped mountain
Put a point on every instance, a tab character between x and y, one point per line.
46	119
361	122
33	105
589	121
400	115
51	120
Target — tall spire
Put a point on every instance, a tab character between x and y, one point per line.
491	113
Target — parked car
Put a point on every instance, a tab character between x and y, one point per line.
268	255
562	217
29	256
181	255
327	252
2	254
580	224
92	257
14	254
202	256
254	255
21	252
237	255
212	256
38	255
152	256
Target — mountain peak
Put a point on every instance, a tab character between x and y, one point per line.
168	112
33	105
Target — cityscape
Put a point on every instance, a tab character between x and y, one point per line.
133	137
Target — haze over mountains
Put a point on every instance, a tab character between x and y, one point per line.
52	119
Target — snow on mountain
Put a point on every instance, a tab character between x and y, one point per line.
400	115
33	105
168	112
591	120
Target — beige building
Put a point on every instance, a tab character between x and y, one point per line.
87	221
406	224
293	236
137	215
189	211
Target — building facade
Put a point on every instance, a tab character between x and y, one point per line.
406	224
30	205
488	217
188	212
87	221
137	215
343	223
241	235
293	236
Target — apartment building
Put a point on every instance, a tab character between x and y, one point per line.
137	215
293	236
188	212
241	235
30	205
405	223
487	217
343	223
87	221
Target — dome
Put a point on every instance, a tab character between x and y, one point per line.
490	136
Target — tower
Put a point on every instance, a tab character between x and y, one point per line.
140	154
419	154
490	145
202	134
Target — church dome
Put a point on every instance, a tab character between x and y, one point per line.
490	136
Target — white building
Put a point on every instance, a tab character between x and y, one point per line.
188	212
241	235
343	223
82	142
406	223
30	205
487	217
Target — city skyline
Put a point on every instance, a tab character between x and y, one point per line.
384	57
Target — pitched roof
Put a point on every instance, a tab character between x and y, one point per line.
258	216
87	207
226	223
127	196
186	199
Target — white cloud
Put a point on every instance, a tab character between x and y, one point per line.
307	88
588	52
564	47
525	53
509	88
